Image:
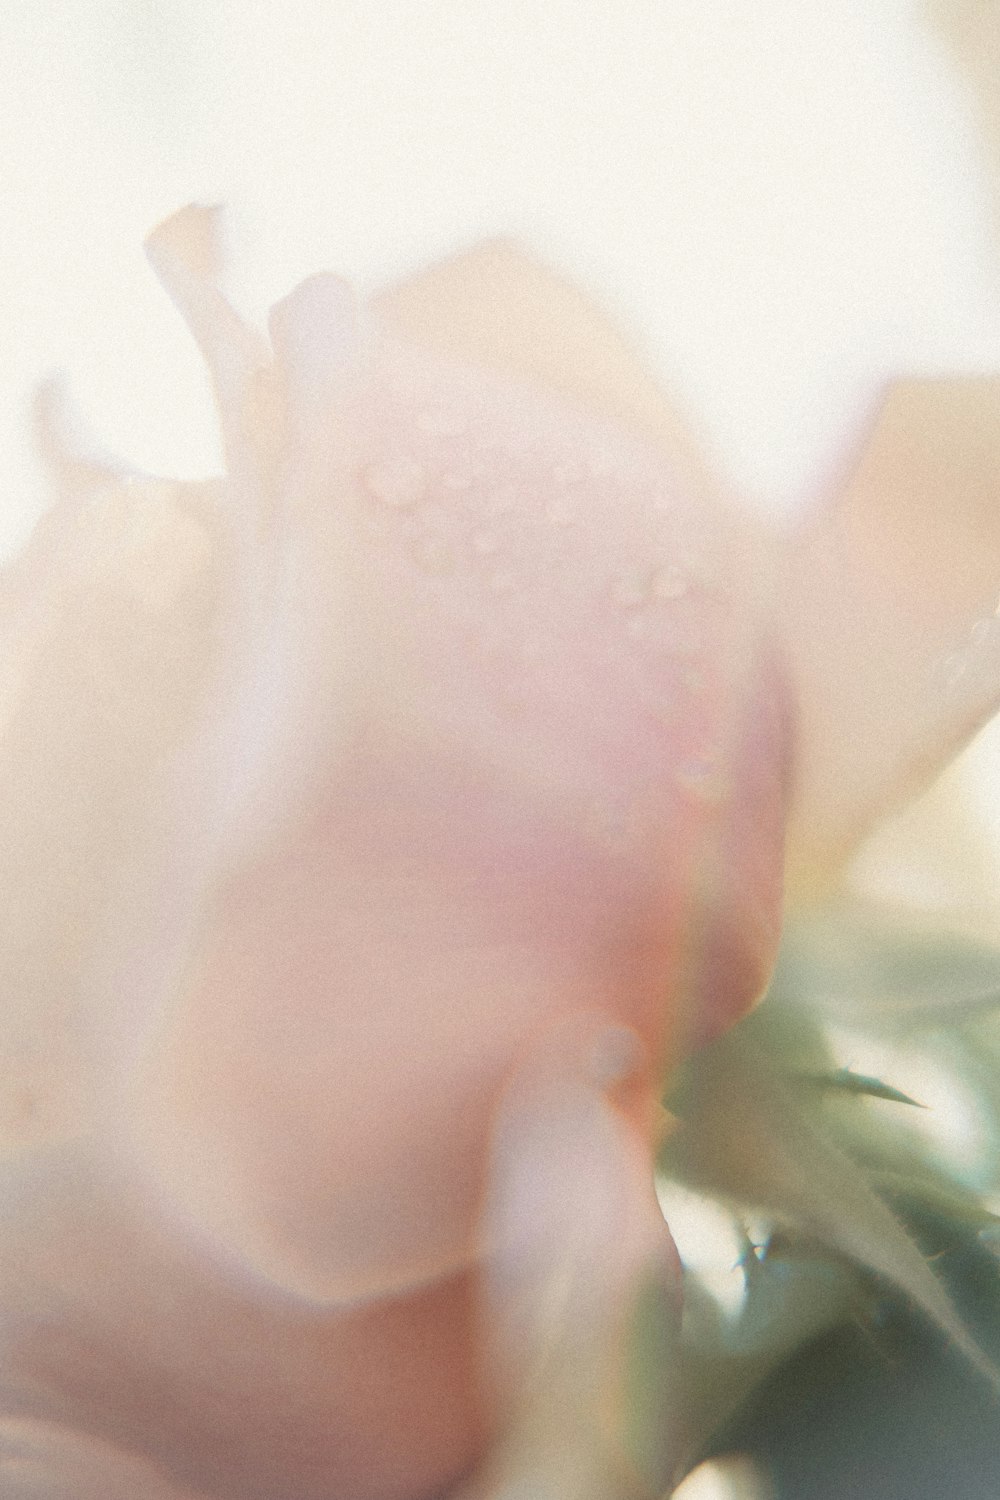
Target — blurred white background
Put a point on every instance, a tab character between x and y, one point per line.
784	203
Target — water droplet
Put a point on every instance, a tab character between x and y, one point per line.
457	479
985	632
440	422
669	582
949	670
398	482
374	525
434	554
614	1056
433	516
611	820
560	510
630	588
485	543
504	499
602	464
663	629
704	778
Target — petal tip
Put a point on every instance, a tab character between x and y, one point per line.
316	329
72	462
190	239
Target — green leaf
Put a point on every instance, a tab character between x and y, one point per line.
845	1081
939	1196
748	1138
867	966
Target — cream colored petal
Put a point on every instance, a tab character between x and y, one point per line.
108	630
891	616
971	30
497	306
185	252
72	467
937	857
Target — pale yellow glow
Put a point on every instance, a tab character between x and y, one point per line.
725	1479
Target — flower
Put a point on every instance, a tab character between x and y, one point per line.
380	823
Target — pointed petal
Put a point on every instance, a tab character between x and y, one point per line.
891	615
971	30
71	467
184	251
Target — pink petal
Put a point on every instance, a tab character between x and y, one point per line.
576	1240
475	733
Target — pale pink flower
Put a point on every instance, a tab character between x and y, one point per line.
380	823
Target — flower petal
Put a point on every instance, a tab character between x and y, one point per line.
479	731
531	701
185	253
497	306
576	1241
43	1461
891	615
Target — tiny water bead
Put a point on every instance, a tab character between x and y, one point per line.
609	820
693	680
504	499
441	422
614	1056
704	778
398	482
630	588
430	530
665	582
662	613
979	653
568	472
503	581
433	553
669	582
433	516
484	543
560	510
458	478
985	632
